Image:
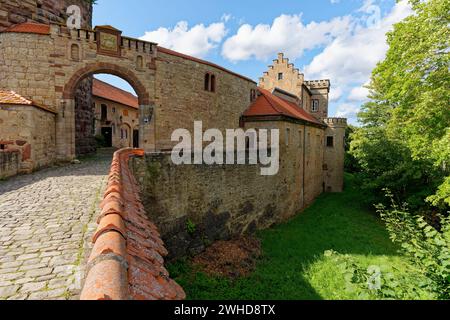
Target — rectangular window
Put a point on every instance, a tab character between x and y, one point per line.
315	106
300	138
288	134
104	112
280	76
125	113
330	142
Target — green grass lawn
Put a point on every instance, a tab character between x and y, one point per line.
293	265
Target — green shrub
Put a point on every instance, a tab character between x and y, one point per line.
382	282
427	246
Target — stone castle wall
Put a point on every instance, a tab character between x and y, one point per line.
44	78
14	12
180	97
9	163
22	130
222	201
172	84
54	11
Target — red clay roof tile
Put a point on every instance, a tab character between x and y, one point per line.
127	266
30	27
185	56
268	104
106	91
11	98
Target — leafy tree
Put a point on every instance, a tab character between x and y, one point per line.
350	162
404	142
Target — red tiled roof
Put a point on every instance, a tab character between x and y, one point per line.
106	91
12	98
127	258
185	56
268	104
30	27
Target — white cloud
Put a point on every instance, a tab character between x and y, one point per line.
358	94
348	110
226	17
287	34
336	94
197	41
334	1
351	57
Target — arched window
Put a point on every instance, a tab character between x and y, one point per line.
213	83
75	52
140	62
207	78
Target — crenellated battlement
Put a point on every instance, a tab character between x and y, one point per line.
91	36
319	84
336	122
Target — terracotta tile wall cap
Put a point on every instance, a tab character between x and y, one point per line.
111	222
109	243
107	280
127	260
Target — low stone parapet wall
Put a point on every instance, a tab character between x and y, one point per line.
127	261
9	163
195	205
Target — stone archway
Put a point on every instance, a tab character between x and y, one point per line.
67	127
109	68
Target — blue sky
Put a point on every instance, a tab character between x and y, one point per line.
337	39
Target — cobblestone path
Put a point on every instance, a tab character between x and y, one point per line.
46	223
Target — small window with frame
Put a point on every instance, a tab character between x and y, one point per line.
315	105
288	136
330	142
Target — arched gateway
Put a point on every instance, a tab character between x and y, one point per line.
55	60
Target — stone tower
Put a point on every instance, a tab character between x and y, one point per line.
320	91
13	12
334	154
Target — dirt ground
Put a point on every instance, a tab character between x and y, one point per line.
233	259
